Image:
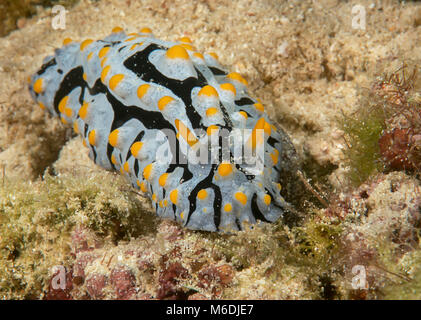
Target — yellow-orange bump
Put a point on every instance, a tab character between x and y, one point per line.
244	114
62	104
143	186
241	197
145	30
229	87
187	135
135	148
103	62
185	39
188	47
83	111
117	29
84	76
174	196
259	107
104	73
115	80
213	55
208	91
38	85
113	159
66	41
85	43
202	194
199	55
89	57
212	129
236	76
267	128
163	179
164	101
228	207
225	169
92	138
126	166
256	139
41	105
211	111
260	124
113	137
103	52
267	199
135	45
275	156
68	112
177	52
76	127
130	39
147	171
142	90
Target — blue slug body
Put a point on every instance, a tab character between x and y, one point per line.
126	94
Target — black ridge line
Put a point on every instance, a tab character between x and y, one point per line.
255	209
139	63
244	101
207	183
217	71
46	65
